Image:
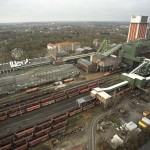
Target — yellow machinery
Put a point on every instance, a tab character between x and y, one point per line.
146	113
142	124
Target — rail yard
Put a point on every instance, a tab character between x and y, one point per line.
43	99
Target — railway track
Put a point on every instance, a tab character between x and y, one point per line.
13	126
16	99
52	123
24	106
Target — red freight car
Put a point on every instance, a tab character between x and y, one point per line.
18	141
61	117
43	131
6	147
85	90
47	98
88	106
16	112
33	107
60	124
32	90
61	98
54	133
45	103
48	129
56	95
45	124
6	140
22	147
72	90
73	94
3	116
82	87
24	132
74	112
38	140
38	133
93	85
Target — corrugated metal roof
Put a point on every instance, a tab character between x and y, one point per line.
133	76
80	49
131	126
112	50
104	95
84	61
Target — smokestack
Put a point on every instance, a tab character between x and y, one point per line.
138	28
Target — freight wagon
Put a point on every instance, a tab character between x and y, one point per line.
42	130
68	80
48	100
32	90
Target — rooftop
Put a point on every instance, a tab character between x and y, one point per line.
104	95
133	76
63	44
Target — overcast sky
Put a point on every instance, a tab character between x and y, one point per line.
71	10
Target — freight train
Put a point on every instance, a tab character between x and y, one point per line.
49	99
33	135
48	128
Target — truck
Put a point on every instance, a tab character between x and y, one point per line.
146	113
146	120
142	124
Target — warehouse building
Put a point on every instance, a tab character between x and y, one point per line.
86	65
27	63
84	50
65	46
37	77
105	64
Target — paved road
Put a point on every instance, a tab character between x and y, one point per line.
92	140
146	146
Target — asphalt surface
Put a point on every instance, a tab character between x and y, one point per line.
146	146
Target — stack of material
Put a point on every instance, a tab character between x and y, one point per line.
116	141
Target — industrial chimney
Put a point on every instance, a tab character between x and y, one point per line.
138	28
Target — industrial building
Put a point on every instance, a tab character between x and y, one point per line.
105	64
86	65
65	46
138	28
133	53
27	63
37	77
